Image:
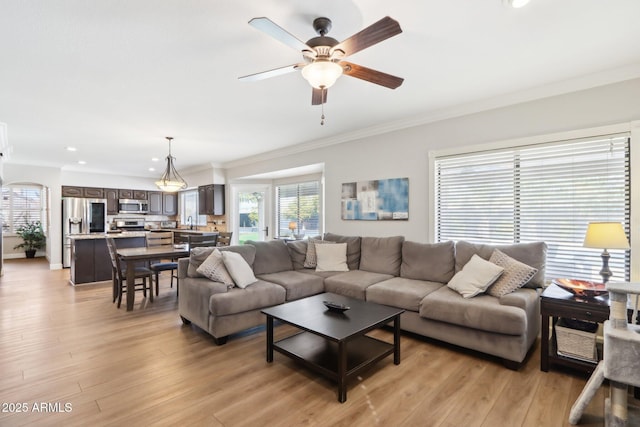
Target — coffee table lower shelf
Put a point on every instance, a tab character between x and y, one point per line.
322	355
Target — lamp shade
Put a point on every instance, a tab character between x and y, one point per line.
605	235
322	73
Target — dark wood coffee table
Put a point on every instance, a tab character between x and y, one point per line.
334	344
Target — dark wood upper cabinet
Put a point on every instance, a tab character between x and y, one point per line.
211	199
170	203
68	191
111	194
140	194
155	203
125	194
93	193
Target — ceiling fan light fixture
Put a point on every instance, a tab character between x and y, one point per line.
171	181
516	4
322	73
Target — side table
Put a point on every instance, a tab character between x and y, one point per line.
555	303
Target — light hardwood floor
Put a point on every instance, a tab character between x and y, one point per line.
62	345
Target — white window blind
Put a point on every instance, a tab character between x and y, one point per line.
547	192
22	204
189	208
299	203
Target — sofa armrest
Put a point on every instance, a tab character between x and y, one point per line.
193	303
183	265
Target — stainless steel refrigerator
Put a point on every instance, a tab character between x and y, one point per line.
81	216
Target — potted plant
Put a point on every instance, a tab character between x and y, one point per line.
33	238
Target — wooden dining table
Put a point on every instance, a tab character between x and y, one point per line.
132	255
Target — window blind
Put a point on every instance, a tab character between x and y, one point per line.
299	203
21	204
546	192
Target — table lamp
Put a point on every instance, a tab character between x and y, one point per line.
292	226
605	235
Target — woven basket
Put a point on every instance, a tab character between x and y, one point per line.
577	343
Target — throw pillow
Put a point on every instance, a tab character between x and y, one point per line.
196	258
312	259
475	277
213	269
238	268
516	274
332	257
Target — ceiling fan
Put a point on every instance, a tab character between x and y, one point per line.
324	56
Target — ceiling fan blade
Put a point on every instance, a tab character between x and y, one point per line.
270	73
373	76
374	33
317	97
274	30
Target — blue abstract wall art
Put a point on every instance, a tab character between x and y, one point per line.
379	200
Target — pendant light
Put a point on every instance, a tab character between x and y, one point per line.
171	181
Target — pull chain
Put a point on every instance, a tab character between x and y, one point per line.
323	89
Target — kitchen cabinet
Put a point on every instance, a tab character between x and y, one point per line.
155	203
163	203
111	194
86	192
90	259
170	203
132	194
211	199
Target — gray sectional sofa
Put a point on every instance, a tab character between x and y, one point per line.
384	270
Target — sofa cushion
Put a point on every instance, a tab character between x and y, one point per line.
475	277
483	312
213	269
353	248
271	257
297	253
331	257
433	262
353	283
238	269
198	255
532	254
297	284
381	254
311	259
257	296
515	275
401	292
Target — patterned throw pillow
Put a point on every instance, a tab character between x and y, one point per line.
516	274
475	277
311	261
213	269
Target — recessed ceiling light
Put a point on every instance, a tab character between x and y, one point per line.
155	159
71	149
82	162
516	4
152	169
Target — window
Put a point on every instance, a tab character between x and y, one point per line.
545	192
300	204
189	208
22	204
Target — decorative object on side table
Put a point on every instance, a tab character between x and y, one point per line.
581	287
605	235
334	306
33	238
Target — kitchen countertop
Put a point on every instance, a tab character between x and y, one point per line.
133	234
95	236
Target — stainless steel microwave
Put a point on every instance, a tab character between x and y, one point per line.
133	206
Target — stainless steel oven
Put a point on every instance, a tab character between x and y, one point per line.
133	206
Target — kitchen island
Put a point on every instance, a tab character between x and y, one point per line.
90	261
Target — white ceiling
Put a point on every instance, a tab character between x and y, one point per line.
114	77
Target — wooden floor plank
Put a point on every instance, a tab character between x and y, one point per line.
64	344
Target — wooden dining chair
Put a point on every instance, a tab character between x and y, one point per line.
156	239
199	240
120	275
224	238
